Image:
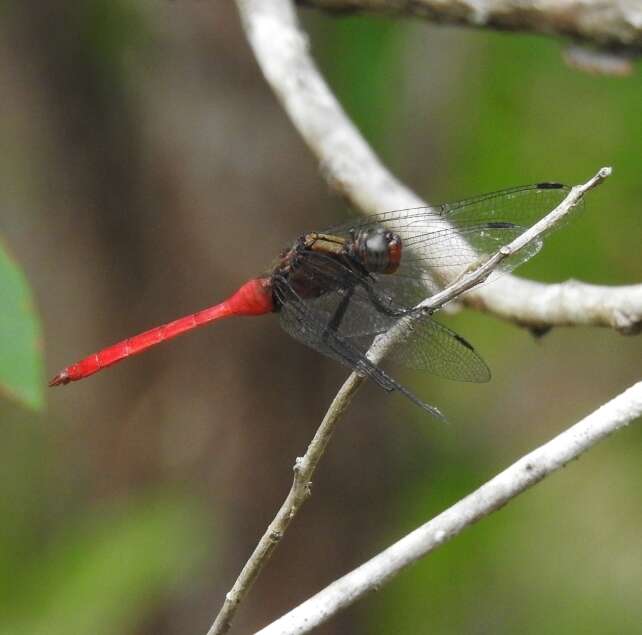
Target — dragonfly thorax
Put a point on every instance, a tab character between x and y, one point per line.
377	249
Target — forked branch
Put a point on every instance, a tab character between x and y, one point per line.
491	496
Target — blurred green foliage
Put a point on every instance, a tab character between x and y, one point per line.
350	49
107	33
21	368
536	119
69	564
103	570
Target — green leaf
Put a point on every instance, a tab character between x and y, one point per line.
21	367
106	572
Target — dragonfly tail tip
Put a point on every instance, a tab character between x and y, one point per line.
60	379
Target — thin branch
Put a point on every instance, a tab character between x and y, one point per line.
611	25
353	170
572	303
491	496
306	466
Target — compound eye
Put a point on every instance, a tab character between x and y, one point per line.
394	252
377	241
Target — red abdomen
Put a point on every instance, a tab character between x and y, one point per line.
253	298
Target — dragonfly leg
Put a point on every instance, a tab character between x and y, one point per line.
336	319
375	298
385	381
394	385
364	366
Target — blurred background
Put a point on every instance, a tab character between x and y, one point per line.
146	171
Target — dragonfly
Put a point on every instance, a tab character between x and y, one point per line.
336	290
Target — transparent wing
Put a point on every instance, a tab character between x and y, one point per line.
518	206
305	324
453	237
366	312
434	348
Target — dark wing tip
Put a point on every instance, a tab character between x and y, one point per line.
481	373
546	185
463	341
501	225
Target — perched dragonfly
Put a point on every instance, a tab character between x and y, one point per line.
337	289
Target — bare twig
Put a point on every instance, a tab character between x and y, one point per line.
352	169
611	24
303	470
491	496
306	466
